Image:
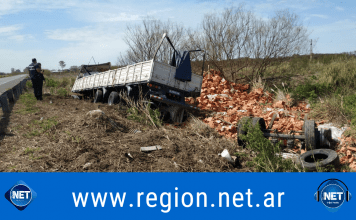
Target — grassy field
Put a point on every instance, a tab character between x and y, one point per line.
327	83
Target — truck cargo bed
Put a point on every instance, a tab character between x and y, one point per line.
143	72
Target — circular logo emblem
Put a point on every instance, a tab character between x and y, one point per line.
332	196
20	195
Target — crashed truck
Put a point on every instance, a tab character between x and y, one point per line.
164	85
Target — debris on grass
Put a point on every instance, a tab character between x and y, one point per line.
225	154
151	148
86	166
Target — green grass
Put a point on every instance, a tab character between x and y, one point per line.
28	100
39	127
311	91
146	115
62	92
65	81
28	84
12	167
56	86
59	86
33	133
47	124
28	151
327	67
328	82
76	139
266	159
49	82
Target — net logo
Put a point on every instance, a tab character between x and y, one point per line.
20	195
333	194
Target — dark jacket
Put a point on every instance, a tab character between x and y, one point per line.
32	69
33	72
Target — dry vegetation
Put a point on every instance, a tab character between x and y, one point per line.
57	134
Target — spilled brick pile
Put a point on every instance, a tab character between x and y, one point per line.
231	102
348	152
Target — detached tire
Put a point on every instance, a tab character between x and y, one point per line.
113	98
309	131
260	121
98	96
319	157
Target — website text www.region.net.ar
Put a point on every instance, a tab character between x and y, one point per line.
167	200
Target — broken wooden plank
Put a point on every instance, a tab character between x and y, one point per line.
151	148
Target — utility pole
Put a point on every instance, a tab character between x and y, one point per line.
311	49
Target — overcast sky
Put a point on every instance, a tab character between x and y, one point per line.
76	30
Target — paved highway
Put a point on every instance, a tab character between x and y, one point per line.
9	82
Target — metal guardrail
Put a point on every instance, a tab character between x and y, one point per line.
10	89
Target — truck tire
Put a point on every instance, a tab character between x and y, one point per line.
176	114
319	157
106	94
114	98
133	92
309	131
130	92
98	96
76	97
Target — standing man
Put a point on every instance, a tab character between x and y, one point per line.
37	78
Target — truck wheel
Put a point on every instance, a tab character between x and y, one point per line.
98	96
106	94
129	92
113	98
319	157
76	97
309	131
176	114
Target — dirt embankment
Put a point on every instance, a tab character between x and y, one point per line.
61	137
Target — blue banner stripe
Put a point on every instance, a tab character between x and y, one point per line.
174	195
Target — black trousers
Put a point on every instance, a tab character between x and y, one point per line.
37	84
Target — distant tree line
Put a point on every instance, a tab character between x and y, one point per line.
15	71
236	41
